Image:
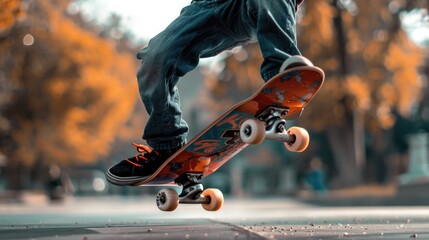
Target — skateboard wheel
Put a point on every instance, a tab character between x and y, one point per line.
252	131
302	139
167	199
216	199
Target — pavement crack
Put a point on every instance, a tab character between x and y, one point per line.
240	232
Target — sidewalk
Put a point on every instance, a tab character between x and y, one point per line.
376	195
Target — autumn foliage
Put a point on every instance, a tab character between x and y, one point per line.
10	12
371	68
369	60
69	91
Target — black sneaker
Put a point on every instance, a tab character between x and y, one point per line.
136	169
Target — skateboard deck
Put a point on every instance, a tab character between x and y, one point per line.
287	93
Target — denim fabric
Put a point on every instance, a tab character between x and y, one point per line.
204	29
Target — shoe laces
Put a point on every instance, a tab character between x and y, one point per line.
143	156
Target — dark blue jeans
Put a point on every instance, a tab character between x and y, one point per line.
204	29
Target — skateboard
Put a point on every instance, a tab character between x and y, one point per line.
261	116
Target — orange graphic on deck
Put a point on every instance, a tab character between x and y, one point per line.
234	120
208	146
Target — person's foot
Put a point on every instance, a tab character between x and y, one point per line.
295	61
139	167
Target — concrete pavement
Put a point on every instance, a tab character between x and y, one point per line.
139	218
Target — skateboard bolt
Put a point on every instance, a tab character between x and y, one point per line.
161	198
248	131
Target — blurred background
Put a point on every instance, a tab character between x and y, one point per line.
70	108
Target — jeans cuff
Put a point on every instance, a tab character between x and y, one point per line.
166	145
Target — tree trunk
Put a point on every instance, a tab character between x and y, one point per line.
346	140
342	141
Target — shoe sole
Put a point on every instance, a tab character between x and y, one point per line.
123	181
295	61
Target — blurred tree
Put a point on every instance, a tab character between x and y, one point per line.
10	12
371	67
69	89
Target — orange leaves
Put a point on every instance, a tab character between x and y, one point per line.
75	89
10	12
359	89
102	94
324	10
382	63
384	116
402	59
88	130
371	51
318	30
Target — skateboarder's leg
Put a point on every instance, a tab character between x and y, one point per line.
196	33
274	24
204	29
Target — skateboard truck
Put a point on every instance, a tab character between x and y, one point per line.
275	124
192	188
270	124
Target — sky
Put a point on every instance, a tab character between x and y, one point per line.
144	18
416	23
